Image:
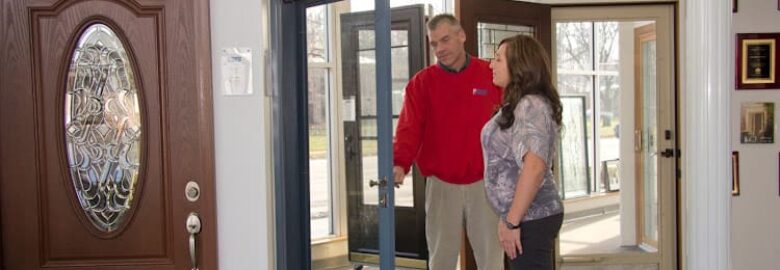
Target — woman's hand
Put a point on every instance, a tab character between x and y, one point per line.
528	183
510	240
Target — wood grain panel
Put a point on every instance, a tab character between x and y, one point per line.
62	25
168	43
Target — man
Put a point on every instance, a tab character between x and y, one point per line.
445	107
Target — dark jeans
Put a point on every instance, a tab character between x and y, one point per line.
538	239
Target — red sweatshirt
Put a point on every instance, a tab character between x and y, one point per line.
441	119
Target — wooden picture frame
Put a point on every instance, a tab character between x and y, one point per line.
610	174
757	61
734	173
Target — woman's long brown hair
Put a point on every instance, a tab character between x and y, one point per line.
529	73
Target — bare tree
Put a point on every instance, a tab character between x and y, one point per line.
316	51
588	47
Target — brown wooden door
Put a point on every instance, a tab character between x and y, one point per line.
521	17
47	222
486	23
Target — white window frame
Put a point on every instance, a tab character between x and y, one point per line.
337	215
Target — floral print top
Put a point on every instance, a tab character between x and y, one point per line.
535	131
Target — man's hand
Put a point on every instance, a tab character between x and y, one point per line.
398	174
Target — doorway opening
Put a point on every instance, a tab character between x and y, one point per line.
615	75
614	68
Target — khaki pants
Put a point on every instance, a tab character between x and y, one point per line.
450	207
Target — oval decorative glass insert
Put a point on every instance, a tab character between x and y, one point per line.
102	127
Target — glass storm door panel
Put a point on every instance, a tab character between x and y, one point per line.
648	135
361	137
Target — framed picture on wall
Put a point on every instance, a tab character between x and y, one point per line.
757	122
757	61
735	173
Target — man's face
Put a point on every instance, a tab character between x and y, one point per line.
447	43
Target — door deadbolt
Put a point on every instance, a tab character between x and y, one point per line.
192	191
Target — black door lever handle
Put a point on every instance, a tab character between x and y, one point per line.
668	152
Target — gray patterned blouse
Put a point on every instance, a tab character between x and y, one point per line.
533	130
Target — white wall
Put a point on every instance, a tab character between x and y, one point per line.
755	213
627	158
243	208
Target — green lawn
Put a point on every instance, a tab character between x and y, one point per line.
318	146
608	131
318	143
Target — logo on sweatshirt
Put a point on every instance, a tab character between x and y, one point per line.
479	92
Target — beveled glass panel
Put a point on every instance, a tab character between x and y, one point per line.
102	127
649	144
491	34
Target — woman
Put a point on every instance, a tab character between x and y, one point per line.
518	145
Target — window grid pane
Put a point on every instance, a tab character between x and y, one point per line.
574	46
320	186
319	124
317	34
606	46
491	34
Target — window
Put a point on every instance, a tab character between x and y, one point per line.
320	84
588	67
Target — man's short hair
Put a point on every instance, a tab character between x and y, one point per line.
443	18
